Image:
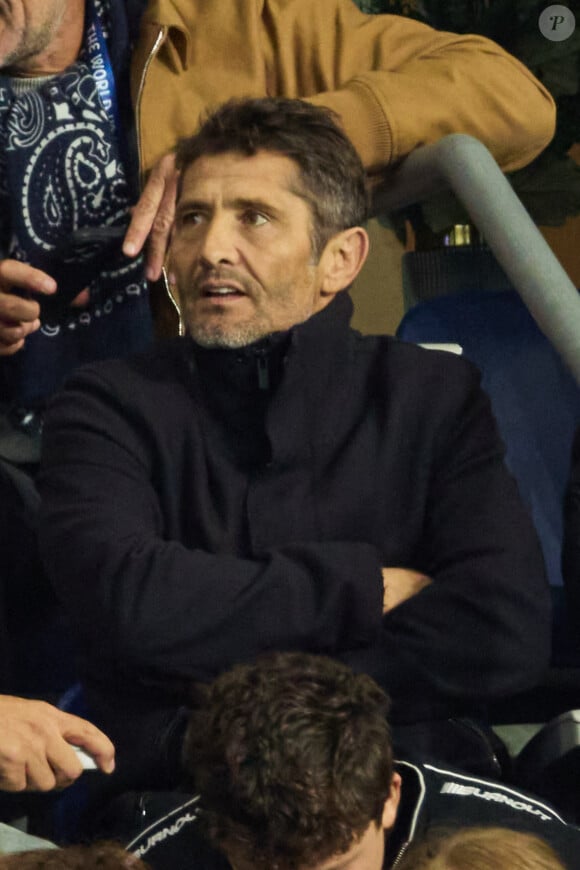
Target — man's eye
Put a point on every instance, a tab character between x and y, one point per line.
189	218
254	218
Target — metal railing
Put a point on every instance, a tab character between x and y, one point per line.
466	166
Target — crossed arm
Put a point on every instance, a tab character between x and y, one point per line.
163	607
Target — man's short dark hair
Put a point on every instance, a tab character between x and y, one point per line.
292	757
331	172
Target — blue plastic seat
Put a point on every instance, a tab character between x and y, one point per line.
537	405
70	804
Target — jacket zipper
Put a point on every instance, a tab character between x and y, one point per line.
263	372
400	854
159	40
173	300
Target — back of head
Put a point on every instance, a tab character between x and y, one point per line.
331	172
481	848
98	856
292	757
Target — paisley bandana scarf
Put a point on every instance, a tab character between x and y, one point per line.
61	170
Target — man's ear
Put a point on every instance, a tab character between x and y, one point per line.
392	803
342	259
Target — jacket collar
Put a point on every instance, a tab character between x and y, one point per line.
332	321
326	330
307	379
164	14
316	386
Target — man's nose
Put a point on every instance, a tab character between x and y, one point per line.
218	244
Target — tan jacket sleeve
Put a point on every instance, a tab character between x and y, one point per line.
398	84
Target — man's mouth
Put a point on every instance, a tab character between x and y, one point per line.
220	291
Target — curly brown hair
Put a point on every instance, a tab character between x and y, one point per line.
331	172
292	757
98	856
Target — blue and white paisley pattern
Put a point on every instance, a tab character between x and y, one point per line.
6	101
64	172
102	9
73	177
61	170
27	122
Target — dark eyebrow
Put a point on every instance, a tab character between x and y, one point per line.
191	204
251	204
240	203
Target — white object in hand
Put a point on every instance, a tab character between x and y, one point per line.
87	761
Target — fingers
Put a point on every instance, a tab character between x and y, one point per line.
35	774
12	337
34	756
13	273
400	584
13	333
56	768
37	746
19	316
15	328
81	733
153	216
82	299
159	237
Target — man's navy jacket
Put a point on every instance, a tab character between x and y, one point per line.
193	519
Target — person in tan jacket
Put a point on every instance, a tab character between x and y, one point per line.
395	83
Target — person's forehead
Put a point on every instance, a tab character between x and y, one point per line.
261	174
